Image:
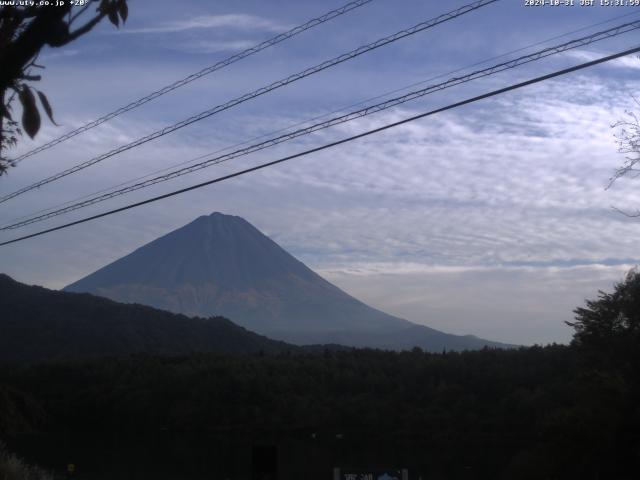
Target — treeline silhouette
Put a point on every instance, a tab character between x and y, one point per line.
554	412
537	410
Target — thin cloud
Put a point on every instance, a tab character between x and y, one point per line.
632	62
212	46
53	54
228	21
525	189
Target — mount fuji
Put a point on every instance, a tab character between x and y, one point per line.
222	265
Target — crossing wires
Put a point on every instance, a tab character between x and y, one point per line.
369	110
256	93
194	76
338	142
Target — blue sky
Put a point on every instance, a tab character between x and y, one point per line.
491	219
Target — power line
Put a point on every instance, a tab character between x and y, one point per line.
535	56
336	143
318	117
206	71
261	91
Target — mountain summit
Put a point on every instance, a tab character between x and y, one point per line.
222	265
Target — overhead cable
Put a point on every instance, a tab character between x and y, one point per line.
256	93
318	117
194	76
333	144
393	102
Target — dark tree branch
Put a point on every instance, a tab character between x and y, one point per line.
81	11
24	31
45	28
86	28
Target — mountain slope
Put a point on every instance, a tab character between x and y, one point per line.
38	324
222	265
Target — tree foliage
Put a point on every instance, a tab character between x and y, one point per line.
608	328
628	139
24	31
13	467
528	413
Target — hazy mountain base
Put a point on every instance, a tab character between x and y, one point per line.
222	265
381	331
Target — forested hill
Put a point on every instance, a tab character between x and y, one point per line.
38	324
